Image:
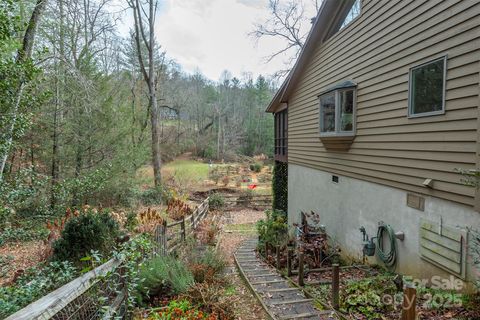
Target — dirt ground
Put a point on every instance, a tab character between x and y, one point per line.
247	307
237	226
18	256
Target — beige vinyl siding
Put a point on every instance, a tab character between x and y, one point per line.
376	51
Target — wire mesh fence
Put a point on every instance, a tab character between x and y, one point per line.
102	292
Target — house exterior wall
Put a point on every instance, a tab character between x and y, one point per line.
351	203
376	51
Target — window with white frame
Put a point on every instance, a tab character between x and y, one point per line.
337	113
427	88
352	14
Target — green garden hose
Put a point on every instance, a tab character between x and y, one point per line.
390	257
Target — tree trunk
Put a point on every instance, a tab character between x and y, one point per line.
78	169
149	77
218	137
55	169
156	159
58	101
24	54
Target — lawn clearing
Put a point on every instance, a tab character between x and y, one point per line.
185	173
187	169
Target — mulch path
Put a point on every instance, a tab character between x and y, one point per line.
230	241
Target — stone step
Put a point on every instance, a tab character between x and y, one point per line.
280	290
277	303
280	300
299	316
266	282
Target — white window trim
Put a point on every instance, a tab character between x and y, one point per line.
343	25
338	133
410	90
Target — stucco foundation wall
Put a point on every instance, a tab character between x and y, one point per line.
349	204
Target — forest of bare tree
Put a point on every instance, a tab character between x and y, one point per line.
85	104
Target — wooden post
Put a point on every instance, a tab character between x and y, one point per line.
289	262
266	250
277	251
300	270
193	220
336	285
164	237
184	233
123	282
157	246
409	302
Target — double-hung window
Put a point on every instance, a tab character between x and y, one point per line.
427	88
337	112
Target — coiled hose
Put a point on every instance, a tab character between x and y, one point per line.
390	257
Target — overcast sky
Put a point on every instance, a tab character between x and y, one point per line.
212	36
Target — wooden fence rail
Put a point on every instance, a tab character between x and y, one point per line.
257	201
83	298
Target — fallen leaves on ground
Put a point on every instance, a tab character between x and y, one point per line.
20	256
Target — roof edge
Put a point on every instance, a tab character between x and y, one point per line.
326	21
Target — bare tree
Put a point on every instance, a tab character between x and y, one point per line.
145	38
290	22
23	55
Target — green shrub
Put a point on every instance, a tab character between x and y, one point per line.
205	263
179	309
21	234
274	228
208	152
163	274
5	264
256	167
35	283
151	196
364	297
154	196
132	221
6	214
216	201
213	259
89	231
80	190
24	193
